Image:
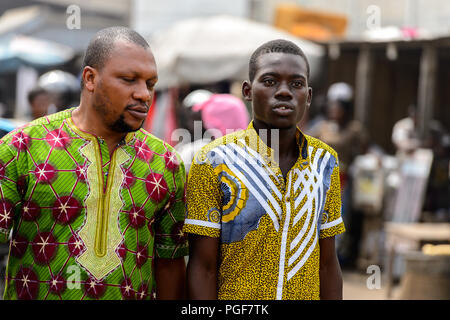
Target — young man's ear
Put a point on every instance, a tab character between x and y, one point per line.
89	75
310	93
247	90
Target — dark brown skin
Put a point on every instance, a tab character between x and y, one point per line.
126	82
281	79
127	79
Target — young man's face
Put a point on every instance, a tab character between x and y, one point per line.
279	92
124	87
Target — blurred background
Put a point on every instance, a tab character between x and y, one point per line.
379	70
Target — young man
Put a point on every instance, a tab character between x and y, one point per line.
264	203
95	203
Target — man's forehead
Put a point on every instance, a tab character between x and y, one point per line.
274	60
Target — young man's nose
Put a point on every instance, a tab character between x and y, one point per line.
283	91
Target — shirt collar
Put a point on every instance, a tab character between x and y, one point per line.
255	142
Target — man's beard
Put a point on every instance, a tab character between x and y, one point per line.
119	125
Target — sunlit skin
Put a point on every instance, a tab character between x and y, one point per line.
116	98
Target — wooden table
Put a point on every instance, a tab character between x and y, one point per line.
401	237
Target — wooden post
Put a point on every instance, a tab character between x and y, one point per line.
426	90
363	85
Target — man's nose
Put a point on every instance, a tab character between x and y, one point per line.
142	92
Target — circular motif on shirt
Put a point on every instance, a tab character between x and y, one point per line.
121	251
20	140
214	215
44	173
126	288
142	292
57	284
156	186
19	245
129	179
81	172
143	151
141	255
75	245
172	162
44	247
235	194
30	211
177	234
57	138
27	284
136	216
66	209
94	289
6	214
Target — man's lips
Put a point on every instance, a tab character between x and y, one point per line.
138	111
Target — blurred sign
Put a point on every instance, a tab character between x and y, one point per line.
414	173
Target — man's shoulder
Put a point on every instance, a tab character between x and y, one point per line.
33	128
153	142
316	143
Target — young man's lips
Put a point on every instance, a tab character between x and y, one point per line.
283	110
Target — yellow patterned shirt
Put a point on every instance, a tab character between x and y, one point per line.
269	227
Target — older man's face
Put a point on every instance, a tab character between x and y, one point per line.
125	86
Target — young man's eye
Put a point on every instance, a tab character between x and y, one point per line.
297	84
126	79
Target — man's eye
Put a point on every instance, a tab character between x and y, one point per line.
269	82
127	79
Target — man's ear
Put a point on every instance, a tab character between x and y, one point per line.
247	90
89	77
310	93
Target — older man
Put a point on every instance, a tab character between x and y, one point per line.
94	202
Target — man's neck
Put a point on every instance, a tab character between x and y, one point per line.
87	120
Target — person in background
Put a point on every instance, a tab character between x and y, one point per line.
220	114
41	102
349	139
405	135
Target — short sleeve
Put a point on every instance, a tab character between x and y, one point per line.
203	200
170	240
332	223
9	192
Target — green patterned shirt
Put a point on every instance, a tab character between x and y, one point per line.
87	224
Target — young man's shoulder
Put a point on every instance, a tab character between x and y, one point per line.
319	144
215	145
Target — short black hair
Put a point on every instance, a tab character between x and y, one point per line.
36	91
278	45
101	45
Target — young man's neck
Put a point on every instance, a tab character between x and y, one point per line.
282	141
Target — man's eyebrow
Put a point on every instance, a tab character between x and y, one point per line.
136	73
